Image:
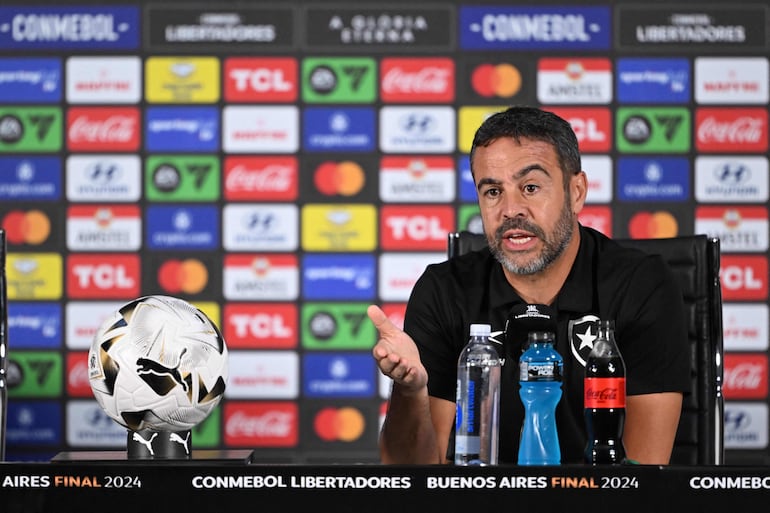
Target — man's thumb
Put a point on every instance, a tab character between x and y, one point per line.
379	319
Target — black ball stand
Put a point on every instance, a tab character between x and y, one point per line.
147	444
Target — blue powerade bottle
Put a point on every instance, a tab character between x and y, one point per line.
540	377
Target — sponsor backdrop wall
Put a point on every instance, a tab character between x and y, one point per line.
282	165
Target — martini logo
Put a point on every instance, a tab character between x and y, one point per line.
599	171
261	424
30	129
83	319
260	129
264	375
113	79
745	327
399	272
258	80
731	80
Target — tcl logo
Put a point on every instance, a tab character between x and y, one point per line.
263	325
264	424
103	276
592	126
261	80
745	376
411	227
743	277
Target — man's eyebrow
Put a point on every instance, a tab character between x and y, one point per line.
521	173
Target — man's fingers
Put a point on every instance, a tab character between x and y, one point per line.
380	320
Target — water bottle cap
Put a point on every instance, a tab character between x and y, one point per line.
480	330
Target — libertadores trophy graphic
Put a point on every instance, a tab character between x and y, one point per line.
158	366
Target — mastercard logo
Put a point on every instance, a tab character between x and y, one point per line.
31	227
344	424
653	225
188	276
501	80
344	178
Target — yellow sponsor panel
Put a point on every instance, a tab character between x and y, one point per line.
182	80
34	276
339	227
211	309
469	119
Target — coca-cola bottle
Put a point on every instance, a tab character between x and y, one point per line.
604	389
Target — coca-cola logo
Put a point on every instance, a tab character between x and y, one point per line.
426	81
745	376
270	424
78	376
112	129
275	178
602	394
739	131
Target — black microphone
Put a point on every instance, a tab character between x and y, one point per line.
523	318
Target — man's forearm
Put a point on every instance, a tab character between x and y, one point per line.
407	434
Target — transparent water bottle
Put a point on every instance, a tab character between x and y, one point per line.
540	377
478	400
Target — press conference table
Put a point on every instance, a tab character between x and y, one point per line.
230	483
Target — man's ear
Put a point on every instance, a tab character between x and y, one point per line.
578	190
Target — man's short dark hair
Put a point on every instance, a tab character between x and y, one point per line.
521	121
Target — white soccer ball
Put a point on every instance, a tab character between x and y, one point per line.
158	363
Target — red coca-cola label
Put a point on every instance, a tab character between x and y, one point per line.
266	424
417	80
604	392
745	376
731	130
103	129
256	178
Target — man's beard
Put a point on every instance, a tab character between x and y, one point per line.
554	245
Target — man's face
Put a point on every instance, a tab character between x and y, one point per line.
528	214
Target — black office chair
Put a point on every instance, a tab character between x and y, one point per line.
695	259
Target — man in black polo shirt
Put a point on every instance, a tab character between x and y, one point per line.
526	166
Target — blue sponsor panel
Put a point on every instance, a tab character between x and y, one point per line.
646	80
338	375
338	277
191	129
35	325
69	27
30	178
182	227
467	189
30	80
338	129
494	27
33	423
653	179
